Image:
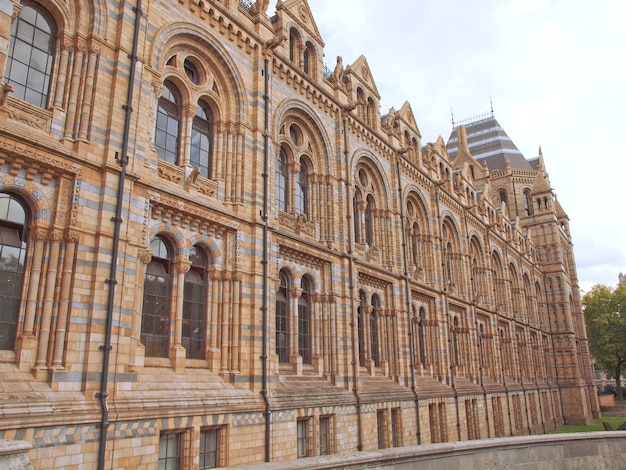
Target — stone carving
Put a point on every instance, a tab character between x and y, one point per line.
260	6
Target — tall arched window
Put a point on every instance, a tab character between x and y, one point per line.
309	58
528	205
282	177
195	305
304	322
13	234
361	328
157	299
369	221
282	319
356	210
421	336
455	341
31	54
201	136
302	195
168	123
503	196
374	336
294	45
415	244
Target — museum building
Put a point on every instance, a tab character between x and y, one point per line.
216	251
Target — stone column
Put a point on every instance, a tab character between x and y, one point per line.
177	353
48	303
71	241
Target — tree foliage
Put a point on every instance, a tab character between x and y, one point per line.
605	317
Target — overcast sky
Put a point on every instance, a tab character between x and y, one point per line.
554	69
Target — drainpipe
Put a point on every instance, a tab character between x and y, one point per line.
265	261
350	232
117	220
407	295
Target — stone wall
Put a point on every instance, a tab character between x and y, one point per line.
606	450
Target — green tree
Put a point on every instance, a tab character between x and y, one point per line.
605	318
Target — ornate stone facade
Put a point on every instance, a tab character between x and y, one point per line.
220	253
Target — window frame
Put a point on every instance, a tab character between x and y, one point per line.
195	295
20	87
10	305
164	293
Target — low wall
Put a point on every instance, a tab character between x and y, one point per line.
578	451
13	455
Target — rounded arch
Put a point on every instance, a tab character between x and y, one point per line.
496	263
414	196
310	123
33	197
476	249
180	246
450	230
191	37
211	248
378	181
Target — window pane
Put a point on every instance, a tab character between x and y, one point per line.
169	452
208	448
31	55
12	255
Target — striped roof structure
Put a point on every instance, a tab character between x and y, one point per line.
488	142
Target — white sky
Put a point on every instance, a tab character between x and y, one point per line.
555	70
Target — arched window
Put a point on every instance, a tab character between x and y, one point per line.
302	185
282	177
168	123
356	209
308	56
371	112
282	319
201	137
304	322
294	45
528	206
195	305
13	234
369	221
31	54
455	341
421	336
415	244
157	299
374	336
503	196
361	328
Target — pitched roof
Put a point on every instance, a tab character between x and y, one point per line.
488	142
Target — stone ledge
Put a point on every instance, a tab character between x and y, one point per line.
538	452
13	455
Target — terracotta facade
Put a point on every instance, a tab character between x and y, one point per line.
227	255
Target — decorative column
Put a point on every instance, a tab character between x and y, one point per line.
318	333
71	241
75	80
177	352
85	114
235	360
294	341
66	50
226	321
137	349
214	351
26	344
239	171
48	303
